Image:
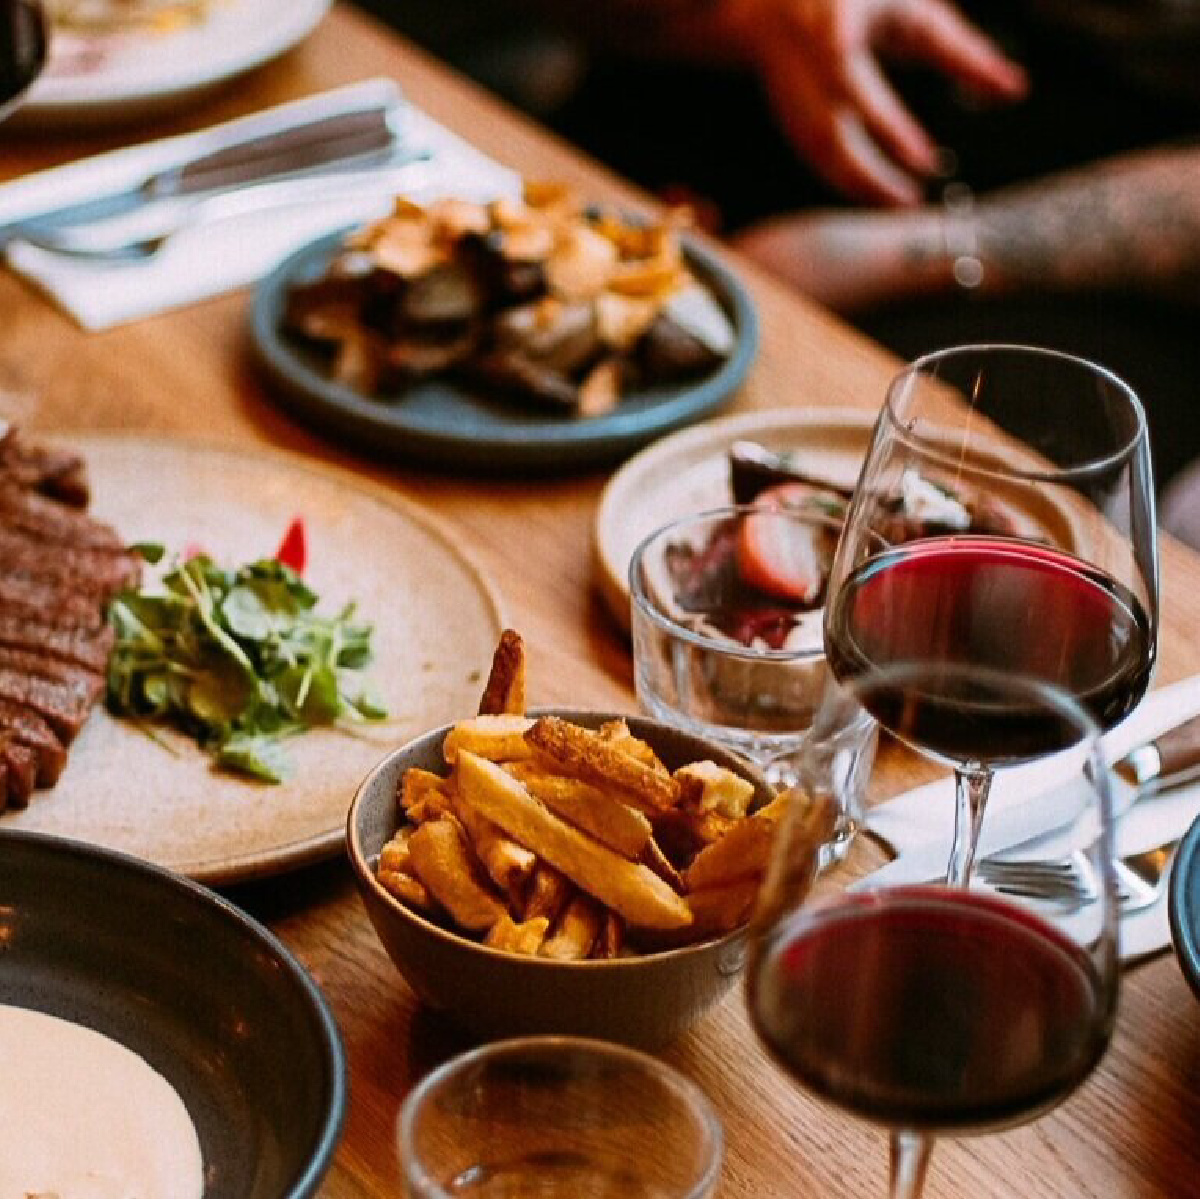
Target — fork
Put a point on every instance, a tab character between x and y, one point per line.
1071	881
141	235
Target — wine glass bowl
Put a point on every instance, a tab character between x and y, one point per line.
932	1008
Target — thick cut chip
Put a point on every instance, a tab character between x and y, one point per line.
549	891
407	888
742	853
441	860
524	937
497	736
505	689
576	932
621	828
722	909
630	889
705	787
586	755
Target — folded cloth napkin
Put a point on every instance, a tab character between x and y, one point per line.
210	258
918	824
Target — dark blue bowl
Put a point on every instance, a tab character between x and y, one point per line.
1183	905
460	427
206	995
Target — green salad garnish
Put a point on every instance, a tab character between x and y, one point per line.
239	658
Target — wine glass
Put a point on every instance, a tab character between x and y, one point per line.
934	1008
1004	518
23	44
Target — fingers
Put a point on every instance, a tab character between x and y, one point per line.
884	114
936	33
830	134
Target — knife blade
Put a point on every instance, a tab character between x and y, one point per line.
357	135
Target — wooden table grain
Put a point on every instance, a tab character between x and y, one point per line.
1133	1129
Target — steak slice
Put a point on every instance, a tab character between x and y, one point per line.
52	521
22	764
30	662
30	730
85	648
63	706
99	572
46	469
50	602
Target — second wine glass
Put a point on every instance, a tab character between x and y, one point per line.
1003	520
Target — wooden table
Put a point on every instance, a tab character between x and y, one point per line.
1133	1129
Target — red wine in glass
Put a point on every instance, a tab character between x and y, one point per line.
23	46
931	1008
998	603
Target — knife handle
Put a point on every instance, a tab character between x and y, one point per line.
1178	748
284	151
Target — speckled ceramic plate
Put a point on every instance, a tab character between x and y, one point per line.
689	472
436	622
463	427
129	74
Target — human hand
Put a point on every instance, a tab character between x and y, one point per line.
821	64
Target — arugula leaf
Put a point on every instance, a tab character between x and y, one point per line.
241	659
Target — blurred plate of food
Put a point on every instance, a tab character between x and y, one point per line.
807	458
525	333
118	60
180	778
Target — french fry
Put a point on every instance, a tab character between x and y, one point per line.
509	864
705	787
405	887
722	909
621	828
395	855
505	688
586	755
548	894
423	795
630	889
742	853
661	865
576	931
524	937
496	736
612	936
619	734
442	862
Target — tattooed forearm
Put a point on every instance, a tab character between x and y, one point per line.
1132	223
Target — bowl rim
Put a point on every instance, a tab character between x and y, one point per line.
333	1053
366	877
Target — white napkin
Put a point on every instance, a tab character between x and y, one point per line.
208	259
917	825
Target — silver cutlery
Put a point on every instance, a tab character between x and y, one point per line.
1070	881
357	136
140	235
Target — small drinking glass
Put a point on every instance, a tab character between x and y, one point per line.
726	619
558	1116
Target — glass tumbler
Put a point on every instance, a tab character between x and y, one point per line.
558	1116
726	620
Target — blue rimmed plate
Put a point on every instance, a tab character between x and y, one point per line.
461	427
1183	905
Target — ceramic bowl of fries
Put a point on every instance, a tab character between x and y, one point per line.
563	871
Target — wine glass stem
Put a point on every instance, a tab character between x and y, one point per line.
909	1159
971	787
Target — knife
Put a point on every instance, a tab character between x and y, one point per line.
366	134
1170	759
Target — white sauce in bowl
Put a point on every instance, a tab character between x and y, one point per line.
82	1115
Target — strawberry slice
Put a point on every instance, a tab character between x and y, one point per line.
293	550
785	559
